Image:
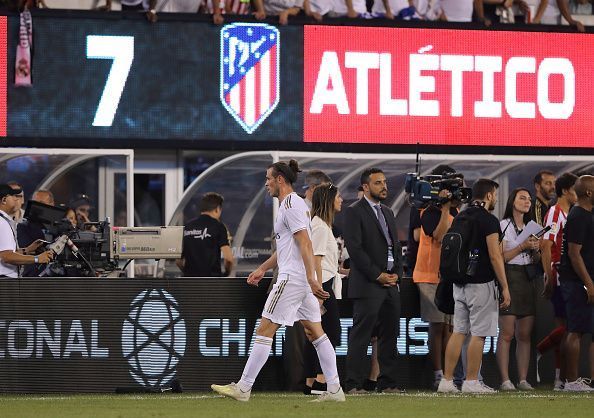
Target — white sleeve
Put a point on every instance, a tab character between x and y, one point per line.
6	236
319	237
296	219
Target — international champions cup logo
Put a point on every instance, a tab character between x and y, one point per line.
250	69
153	338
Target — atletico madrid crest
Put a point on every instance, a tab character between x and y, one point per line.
249	72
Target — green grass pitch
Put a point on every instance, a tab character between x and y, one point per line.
265	404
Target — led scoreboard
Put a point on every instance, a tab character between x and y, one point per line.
258	84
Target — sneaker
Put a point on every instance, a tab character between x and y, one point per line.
559	385
447	386
232	391
476	386
580	385
331	397
524	385
507	386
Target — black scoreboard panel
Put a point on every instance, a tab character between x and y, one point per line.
126	78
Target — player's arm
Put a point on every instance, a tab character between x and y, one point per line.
577	262
306	251
257	275
496	258
389	14
228	260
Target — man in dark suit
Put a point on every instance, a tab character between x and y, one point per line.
376	266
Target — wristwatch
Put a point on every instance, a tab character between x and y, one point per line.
36	259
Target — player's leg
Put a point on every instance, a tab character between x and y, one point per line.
259	355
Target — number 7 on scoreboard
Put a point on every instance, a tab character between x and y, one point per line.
121	50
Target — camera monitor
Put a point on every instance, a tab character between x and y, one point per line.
146	242
44	214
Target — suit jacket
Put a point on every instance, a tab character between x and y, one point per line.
368	250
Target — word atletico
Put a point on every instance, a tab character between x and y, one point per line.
330	88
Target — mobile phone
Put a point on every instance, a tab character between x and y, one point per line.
543	231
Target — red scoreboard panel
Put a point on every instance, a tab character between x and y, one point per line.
3	72
448	87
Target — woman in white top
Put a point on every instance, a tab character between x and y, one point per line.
326	201
520	259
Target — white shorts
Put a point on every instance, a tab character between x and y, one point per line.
291	300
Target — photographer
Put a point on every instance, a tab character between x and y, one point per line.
10	255
435	221
520	269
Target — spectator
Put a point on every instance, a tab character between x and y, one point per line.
217	9
462	10
476	308
11	256
205	238
82	206
394	9
17	216
576	272
580	7
544	186
326	203
283	9
376	266
563	8
313	179
71	216
349	8
550	248
242	7
518	319
428	9
317	9
435	221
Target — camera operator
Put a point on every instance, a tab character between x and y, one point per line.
435	222
29	231
10	255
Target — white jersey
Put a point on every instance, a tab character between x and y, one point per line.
395	6
293	216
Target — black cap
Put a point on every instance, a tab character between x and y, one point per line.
79	200
6	190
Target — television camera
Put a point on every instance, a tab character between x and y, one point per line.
424	190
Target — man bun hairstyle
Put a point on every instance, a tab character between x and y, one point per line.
288	170
481	187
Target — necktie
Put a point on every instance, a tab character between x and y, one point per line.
383	224
386	231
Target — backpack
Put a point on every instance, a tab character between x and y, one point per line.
459	251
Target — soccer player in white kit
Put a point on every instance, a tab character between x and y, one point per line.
296	294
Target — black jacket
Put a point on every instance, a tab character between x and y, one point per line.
368	249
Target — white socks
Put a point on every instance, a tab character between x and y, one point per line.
327	357
256	361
